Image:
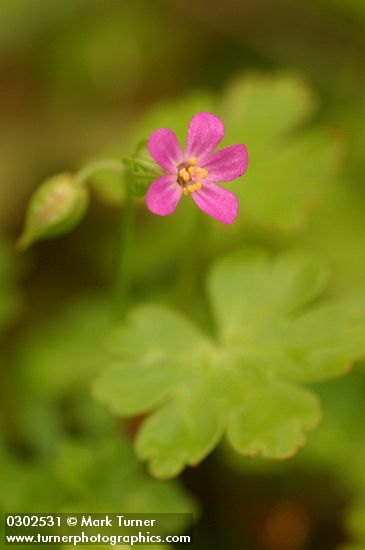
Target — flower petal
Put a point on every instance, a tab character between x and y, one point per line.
205	132
163	195
165	149
227	164
217	202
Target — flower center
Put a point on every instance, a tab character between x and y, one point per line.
189	176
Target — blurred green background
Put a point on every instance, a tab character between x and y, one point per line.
83	79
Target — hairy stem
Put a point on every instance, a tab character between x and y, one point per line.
123	271
89	170
126	233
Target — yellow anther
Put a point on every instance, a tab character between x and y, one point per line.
193	161
184	174
194	187
191	188
191	170
202	172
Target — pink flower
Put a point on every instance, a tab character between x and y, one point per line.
196	171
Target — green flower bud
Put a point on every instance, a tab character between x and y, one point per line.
55	208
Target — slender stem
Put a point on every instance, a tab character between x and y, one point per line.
90	169
188	272
122	281
123	272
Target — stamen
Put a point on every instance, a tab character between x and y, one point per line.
184	174
202	172
191	188
189	176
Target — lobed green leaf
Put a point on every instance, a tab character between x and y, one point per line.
245	381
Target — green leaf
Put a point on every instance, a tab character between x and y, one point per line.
191	424
337	232
268	106
97	476
245	382
275	289
28	485
56	358
61	356
107	478
272	419
288	170
314	345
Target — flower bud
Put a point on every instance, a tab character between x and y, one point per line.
55	208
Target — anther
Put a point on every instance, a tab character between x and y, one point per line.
202	172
